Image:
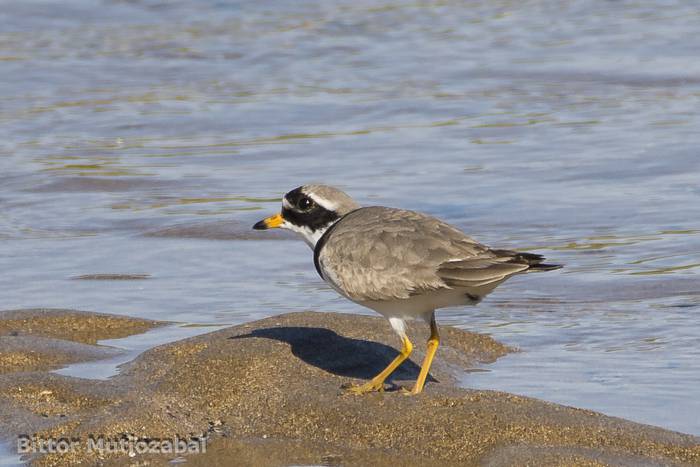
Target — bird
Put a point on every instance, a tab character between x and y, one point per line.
400	263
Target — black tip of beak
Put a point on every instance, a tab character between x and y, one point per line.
260	225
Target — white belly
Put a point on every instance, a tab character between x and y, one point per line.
420	306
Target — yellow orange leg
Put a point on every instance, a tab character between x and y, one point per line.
433	344
377	383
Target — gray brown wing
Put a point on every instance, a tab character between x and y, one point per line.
379	253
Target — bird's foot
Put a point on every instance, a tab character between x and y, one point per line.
369	386
408	391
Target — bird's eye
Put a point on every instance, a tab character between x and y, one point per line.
305	203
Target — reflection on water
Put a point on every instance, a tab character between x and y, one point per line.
134	134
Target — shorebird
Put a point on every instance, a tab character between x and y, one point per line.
402	264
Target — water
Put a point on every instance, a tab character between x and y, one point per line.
146	137
8	454
132	346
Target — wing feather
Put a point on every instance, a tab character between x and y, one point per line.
476	272
379	253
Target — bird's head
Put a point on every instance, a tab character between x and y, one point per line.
310	210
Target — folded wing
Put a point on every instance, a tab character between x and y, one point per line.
379	253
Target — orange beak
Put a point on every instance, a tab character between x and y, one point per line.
271	222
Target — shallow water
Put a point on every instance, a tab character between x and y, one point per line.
131	347
8	456
145	138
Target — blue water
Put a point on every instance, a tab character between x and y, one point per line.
146	137
8	456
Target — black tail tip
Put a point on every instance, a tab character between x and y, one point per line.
545	267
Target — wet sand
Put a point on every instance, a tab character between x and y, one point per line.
71	325
269	393
48	339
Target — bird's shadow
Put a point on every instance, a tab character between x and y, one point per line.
342	356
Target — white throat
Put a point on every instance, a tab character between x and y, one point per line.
309	236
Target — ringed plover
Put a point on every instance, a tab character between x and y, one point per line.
402	264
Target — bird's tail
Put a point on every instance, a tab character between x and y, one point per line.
545	267
533	260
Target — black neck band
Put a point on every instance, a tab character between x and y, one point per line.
319	245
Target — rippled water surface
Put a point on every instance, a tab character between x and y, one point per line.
144	138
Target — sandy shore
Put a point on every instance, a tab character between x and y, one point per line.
269	393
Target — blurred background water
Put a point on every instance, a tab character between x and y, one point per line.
145	137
